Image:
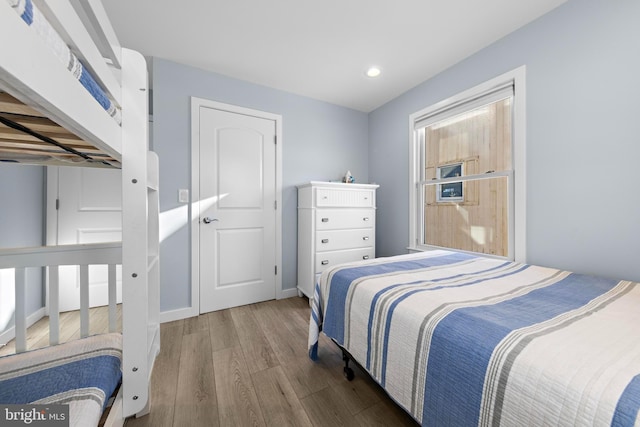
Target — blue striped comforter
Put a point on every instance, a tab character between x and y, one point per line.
461	340
82	374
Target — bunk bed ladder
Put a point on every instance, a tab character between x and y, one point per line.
140	317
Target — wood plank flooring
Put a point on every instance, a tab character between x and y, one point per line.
248	366
38	333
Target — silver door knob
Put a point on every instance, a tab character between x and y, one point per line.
208	220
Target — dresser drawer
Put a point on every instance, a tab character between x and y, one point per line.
358	198
336	224
335	219
331	240
325	260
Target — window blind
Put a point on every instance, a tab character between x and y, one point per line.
448	111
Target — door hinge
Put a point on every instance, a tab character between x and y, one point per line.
276	270
275	204
57	204
275	139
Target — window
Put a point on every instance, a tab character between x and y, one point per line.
450	191
465	152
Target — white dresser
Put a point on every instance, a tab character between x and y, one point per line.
336	224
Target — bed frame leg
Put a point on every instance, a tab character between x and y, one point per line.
348	372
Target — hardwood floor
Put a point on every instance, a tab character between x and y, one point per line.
248	366
38	333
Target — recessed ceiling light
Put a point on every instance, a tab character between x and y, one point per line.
373	72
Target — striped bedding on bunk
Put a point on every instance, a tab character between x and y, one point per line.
461	340
34	18
81	373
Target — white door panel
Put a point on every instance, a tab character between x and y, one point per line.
240	169
240	255
90	211
237	240
100	189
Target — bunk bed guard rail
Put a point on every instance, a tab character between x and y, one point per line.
51	258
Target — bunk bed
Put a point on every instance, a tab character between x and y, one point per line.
71	95
461	340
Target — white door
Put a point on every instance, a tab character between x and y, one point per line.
237	209
89	211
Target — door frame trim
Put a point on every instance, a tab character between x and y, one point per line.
193	209
52	213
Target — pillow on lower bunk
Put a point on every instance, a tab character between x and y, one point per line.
81	373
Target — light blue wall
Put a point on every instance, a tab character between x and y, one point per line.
583	137
320	141
22	207
583	145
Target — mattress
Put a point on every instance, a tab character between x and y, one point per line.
82	374
36	20
462	340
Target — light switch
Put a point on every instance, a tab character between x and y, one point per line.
183	195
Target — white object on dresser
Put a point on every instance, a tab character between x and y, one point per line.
336	224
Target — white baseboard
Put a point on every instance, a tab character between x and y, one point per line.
184	313
288	293
178	314
10	333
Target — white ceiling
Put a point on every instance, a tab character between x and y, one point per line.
321	49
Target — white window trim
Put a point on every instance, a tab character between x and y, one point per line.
517	76
439	198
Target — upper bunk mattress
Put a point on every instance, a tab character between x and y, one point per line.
36	20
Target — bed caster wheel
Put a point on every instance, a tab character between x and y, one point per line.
348	373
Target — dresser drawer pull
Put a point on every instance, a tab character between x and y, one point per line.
325	262
325	240
365	257
365	238
366	218
325	219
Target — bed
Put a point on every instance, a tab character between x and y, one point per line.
462	340
71	95
82	374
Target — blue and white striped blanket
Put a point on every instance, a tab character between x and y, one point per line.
81	373
32	16
461	340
